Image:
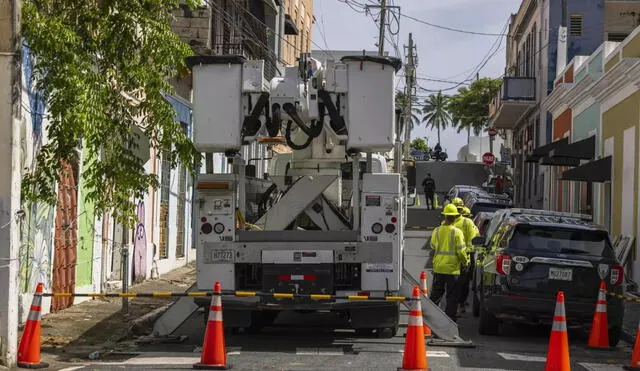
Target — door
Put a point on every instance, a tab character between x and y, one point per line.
65	243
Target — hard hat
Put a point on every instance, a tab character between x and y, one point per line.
466	211
458	202
450	210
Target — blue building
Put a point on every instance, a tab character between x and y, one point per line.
537	47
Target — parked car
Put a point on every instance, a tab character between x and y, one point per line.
462	191
533	254
486	202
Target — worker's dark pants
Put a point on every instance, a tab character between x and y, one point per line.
429	196
465	278
450	284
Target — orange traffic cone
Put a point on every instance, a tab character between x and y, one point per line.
214	353
599	335
425	291
558	353
635	356
29	348
415	350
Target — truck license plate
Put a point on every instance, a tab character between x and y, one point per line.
560	274
222	256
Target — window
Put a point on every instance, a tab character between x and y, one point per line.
617	37
180	217
165	191
562	240
575	25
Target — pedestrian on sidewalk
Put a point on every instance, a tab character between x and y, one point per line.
429	186
449	255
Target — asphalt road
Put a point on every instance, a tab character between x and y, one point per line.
311	342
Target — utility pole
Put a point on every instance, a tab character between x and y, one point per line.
381	35
10	175
410	82
383	26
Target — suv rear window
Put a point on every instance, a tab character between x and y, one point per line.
562	240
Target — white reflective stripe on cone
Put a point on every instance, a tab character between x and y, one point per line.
37	300
559	326
215	316
559	311
416	320
601	308
34	315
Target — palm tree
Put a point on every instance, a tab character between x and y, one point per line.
436	114
402	103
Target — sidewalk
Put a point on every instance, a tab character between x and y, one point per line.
97	325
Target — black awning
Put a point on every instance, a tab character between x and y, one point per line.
289	26
598	171
558	161
583	149
543	151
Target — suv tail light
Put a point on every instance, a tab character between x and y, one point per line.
503	264
617	275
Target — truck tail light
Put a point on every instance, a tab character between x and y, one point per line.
617	275
503	264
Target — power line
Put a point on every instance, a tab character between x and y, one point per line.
452	29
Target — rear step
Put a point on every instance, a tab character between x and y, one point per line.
441	325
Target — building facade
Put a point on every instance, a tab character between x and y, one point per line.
600	109
537	49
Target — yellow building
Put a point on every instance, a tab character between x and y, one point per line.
298	13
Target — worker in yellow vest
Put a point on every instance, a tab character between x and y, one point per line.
449	254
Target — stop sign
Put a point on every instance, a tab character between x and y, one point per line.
492	132
488	158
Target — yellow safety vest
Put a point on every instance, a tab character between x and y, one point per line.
468	228
448	245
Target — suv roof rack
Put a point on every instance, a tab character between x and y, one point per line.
549	213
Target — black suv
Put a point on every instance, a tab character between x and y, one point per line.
462	191
487	202
527	256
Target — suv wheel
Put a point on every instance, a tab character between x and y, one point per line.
614	335
488	324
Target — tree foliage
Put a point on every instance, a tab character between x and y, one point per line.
469	108
419	144
103	67
436	112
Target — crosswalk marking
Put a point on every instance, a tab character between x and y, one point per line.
319	352
433	353
520	357
600	367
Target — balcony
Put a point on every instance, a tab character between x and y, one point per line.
516	96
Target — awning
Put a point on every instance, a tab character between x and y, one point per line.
558	161
289	26
543	151
598	171
583	149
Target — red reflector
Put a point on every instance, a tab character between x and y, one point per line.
203	219
297	277
364	293
394	219
516	297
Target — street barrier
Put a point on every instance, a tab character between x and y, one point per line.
627	298
276	295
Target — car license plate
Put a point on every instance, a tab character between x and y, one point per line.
222	256
560	274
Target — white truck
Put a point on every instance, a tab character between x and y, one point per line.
316	226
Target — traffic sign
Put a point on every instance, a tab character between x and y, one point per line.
492	132
488	158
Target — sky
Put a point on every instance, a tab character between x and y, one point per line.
442	54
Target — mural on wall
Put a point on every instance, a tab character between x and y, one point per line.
140	247
38	221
